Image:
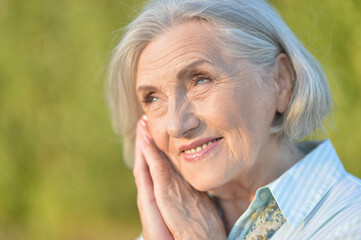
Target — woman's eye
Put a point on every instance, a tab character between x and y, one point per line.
202	80
149	98
153	99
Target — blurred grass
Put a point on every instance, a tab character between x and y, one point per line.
61	170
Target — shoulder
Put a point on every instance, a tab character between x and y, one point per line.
351	179
344	196
339	213
346	191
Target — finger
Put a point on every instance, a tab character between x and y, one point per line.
141	131
138	143
153	224
141	171
143	180
143	121
158	167
145	130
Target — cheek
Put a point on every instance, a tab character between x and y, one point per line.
222	110
242	116
159	133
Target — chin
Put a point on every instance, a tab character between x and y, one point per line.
201	187
206	182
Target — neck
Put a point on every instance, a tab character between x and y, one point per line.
272	162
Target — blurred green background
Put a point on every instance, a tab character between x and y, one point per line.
61	170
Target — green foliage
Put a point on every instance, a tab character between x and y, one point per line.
61	170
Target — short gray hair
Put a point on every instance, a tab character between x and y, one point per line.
255	32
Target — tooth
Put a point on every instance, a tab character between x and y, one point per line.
209	143
193	150
199	149
186	151
204	145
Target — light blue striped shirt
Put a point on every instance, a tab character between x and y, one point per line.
317	197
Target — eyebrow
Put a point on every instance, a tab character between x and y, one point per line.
146	88
189	67
180	74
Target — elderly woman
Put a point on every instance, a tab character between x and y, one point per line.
211	96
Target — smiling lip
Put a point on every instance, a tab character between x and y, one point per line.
192	155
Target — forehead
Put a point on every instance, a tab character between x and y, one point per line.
176	48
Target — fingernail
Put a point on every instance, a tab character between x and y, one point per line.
145	117
146	139
142	122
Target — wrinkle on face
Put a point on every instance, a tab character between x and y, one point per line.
231	105
162	60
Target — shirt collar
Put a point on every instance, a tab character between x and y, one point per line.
300	188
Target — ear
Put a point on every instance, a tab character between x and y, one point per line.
283	77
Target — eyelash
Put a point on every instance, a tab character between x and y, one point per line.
199	77
148	98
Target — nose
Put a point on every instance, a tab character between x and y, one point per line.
181	121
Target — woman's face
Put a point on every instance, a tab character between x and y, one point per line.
205	109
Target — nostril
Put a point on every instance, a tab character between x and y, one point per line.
181	120
183	126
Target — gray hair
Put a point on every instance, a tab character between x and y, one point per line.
253	31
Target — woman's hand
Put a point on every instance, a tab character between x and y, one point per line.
169	207
153	224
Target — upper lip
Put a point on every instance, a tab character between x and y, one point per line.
197	143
